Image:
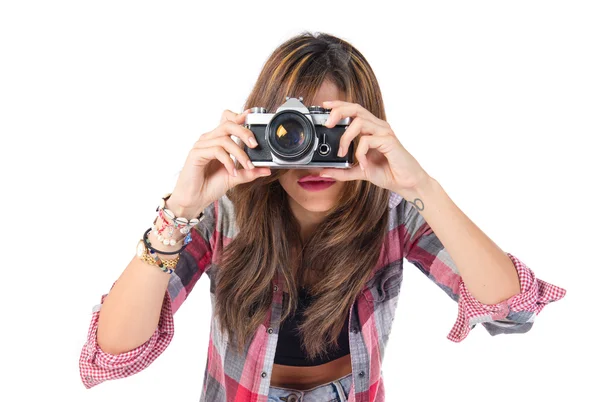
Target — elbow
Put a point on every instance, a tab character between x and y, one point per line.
112	347
114	344
107	342
115	339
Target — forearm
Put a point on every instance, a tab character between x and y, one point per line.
130	312
488	273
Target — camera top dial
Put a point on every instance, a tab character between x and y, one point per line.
258	109
318	109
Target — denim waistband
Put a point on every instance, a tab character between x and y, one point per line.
336	390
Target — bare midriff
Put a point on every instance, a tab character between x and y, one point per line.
307	377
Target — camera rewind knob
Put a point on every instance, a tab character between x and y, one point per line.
258	110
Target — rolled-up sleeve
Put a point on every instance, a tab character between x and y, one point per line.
97	366
513	315
422	248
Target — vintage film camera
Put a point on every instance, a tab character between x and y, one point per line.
294	137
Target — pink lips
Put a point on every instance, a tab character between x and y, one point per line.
314	178
315	183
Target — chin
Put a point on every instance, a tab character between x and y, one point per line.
314	205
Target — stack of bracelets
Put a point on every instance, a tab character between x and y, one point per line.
164	234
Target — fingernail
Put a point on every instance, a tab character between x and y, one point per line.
250	165
340	152
361	166
326	175
234	172
252	141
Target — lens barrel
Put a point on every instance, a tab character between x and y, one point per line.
290	134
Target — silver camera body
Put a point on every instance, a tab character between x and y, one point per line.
295	137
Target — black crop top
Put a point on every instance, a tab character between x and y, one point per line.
288	350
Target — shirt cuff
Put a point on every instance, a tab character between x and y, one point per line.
534	296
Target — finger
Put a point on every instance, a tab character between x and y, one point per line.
245	176
341	110
380	143
204	155
226	116
354	173
230	146
232	116
231	128
358	126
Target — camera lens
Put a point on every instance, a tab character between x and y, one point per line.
290	135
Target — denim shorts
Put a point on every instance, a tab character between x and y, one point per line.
334	391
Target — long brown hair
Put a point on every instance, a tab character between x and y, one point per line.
344	247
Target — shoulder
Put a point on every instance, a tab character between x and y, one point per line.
214	216
395	207
395	200
225	214
405	222
404	213
219	217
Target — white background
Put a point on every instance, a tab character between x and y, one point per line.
101	101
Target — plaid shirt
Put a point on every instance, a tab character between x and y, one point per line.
246	377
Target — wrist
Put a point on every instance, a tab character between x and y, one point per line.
419	190
188	212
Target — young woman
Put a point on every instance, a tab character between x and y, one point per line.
304	276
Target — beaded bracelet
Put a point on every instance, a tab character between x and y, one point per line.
186	241
158	233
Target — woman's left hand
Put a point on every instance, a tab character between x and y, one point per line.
382	159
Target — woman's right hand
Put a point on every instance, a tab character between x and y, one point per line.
209	170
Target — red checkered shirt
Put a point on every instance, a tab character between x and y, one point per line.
246	377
